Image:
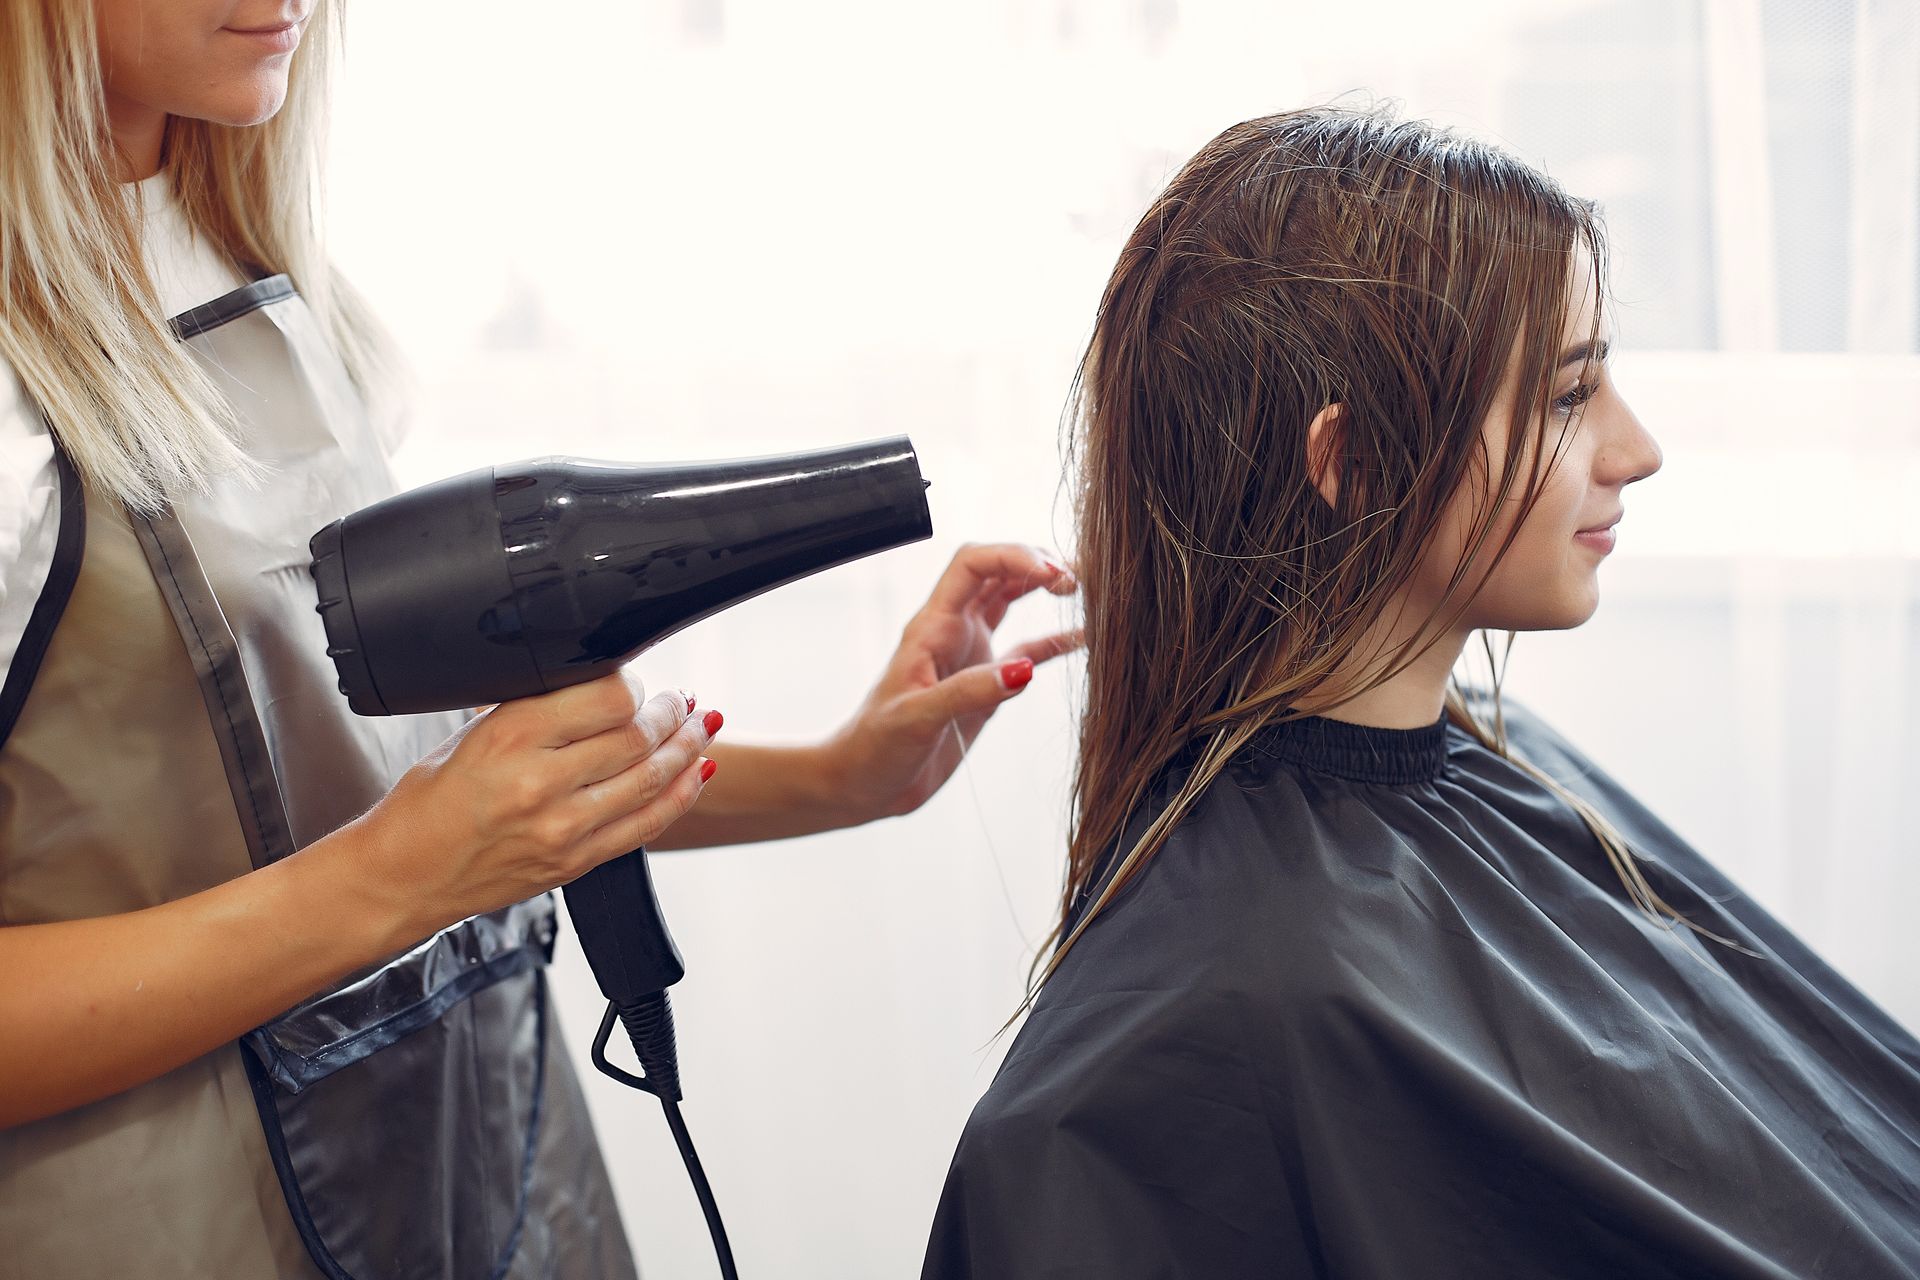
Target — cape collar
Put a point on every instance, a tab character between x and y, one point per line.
1362	752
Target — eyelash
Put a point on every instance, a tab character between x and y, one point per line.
1582	393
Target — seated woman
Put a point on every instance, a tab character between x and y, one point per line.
1359	974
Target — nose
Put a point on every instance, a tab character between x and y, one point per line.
1633	450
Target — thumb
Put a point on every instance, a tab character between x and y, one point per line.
976	690
1011	675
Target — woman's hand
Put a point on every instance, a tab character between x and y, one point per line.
533	793
526	796
943	682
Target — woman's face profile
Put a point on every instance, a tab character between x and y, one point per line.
219	60
1549	579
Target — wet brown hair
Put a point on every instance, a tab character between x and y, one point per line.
1323	255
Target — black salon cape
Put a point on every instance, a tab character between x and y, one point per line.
1380	1008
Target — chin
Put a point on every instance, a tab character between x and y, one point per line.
1555	613
249	103
1581	606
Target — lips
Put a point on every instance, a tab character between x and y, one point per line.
270	28
1612	520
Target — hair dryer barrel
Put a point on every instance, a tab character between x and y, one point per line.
520	579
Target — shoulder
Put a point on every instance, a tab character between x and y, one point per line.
1167	1051
1529	733
1534	740
1271	903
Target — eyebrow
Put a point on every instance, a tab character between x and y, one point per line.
1579	352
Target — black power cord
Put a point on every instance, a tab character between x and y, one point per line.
649	1024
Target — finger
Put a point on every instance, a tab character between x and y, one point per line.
639	687
976	568
1066	579
580	711
642	826
992	606
636	785
1047	647
617	749
997	595
970	692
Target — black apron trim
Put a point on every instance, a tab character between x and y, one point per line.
223	684
70	545
197	613
263	1100
231	306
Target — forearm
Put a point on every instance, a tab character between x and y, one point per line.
91	1007
764	792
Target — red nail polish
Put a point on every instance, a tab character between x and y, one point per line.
713	722
706	770
1015	674
690	701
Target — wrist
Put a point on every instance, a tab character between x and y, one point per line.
834	771
348	881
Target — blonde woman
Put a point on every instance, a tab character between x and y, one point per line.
271	992
1359	975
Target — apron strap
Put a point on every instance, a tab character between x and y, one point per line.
223	683
69	547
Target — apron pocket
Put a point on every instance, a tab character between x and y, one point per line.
415	1088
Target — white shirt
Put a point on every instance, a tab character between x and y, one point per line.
187	271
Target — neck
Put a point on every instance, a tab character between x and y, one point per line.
1412	699
137	130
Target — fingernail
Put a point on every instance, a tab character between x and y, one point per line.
1015	674
706	769
713	722
688	695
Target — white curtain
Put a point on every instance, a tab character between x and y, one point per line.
714	228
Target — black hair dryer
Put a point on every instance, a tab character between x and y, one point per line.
517	580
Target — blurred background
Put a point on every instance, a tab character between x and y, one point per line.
686	229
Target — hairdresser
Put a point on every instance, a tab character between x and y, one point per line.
272	1000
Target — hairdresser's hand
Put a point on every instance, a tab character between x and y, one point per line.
531	794
944	681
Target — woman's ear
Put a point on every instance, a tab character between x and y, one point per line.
1325	444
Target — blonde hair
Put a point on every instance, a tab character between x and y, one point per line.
82	324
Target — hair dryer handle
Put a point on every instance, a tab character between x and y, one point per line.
622	931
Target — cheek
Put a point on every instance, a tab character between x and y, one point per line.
1543	582
147	59
1546	581
1443	554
